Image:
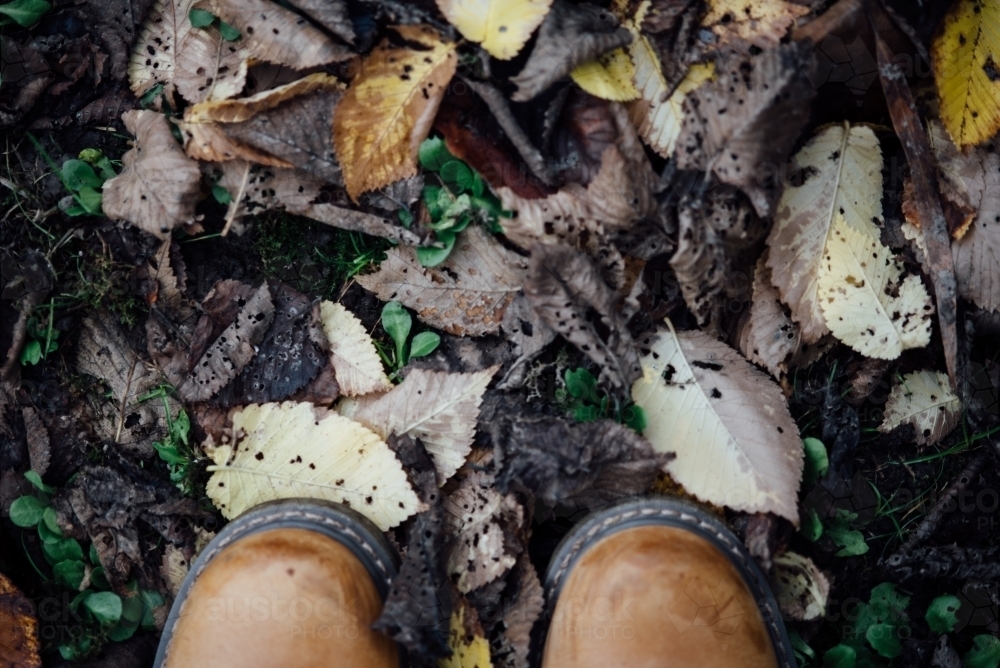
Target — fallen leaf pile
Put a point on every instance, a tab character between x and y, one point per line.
620	233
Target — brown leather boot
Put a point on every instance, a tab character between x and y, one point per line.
291	584
659	582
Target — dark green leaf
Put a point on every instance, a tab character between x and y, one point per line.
432	257
941	615
89	200
229	33
884	638
36	480
105	606
50	521
26	511
63	549
69	573
220	194
92	556
424	344
396	321
985	653
457	175
32	352
150	601
47	535
200	18
180	427
98	579
77	174
811	528
25	13
817	463
840	656
581	384
635	418
434	154
169	453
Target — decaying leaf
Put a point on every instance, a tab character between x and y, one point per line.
866	300
510	649
480	522
567	292
839	171
19	644
352	353
501	26
799	586
559	462
284	127
439	408
469	647
37	435
767	335
270	32
466	295
104	352
741	126
226	357
965	54
570	35
925	400
331	14
960	179
289	450
389	109
198	62
159	186
177	560
742	24
735	440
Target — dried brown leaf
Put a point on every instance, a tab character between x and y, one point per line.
159	186
19	644
567	291
39	452
741	25
466	295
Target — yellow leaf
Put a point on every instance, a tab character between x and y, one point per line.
966	58
501	26
291	450
389	108
352	352
610	77
866	300
469	648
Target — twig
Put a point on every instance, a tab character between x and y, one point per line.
911	133
829	21
235	203
121	411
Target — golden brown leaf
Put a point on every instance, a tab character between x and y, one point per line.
19	645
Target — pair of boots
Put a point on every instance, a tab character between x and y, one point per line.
653	582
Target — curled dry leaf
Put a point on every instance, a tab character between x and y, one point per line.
159	186
729	424
741	126
481	523
799	586
441	409
838	171
19	644
501	26
965	54
198	62
289	450
466	295
767	335
284	127
352	352
389	109
232	350
567	292
925	400
270	32
743	24
867	301
570	36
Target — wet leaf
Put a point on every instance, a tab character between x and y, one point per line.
291	450
925	400
389	108
736	443
159	186
501	26
466	295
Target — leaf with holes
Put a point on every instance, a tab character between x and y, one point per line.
799	586
291	450
728	423
925	400
743	24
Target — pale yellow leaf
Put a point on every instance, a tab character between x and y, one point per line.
609	77
270	32
741	24
799	586
352	352
727	422
501	26
867	302
441	409
159	186
469	647
198	62
925	400
389	108
838	171
291	450
966	59
466	295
